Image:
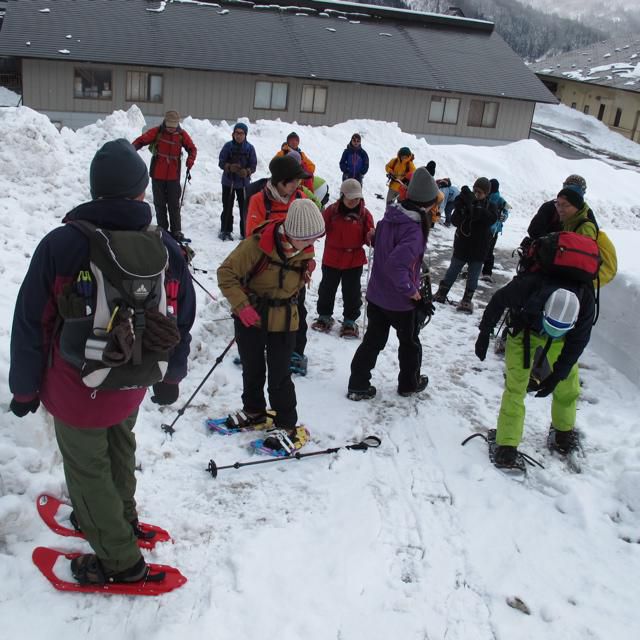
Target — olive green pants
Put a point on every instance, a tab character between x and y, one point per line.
99	466
512	410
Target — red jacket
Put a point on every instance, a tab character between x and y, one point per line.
257	209
167	151
346	236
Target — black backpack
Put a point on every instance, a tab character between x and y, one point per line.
121	333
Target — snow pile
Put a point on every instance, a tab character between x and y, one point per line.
8	98
420	538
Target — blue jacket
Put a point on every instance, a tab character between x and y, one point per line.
450	194
503	212
399	249
354	163
243	154
36	366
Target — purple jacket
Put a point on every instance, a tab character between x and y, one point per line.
399	249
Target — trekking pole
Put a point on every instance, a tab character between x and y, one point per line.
187	178
168	428
203	288
369	442
364	315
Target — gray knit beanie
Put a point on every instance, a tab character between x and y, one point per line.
117	171
304	220
422	188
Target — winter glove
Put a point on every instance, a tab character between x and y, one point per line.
165	393
21	409
466	196
189	163
243	173
189	173
234	167
482	344
547	386
248	316
311	267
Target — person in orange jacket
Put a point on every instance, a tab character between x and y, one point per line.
166	143
434	210
397	170
292	143
272	203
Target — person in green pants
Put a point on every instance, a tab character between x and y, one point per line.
557	316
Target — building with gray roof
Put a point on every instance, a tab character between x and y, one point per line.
602	80
319	63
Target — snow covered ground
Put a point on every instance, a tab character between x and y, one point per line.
586	134
421	538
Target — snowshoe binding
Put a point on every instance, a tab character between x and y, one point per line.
282	442
141	533
349	329
563	442
361	394
323	324
241	421
87	569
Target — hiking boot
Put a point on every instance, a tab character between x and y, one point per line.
361	394
323	324
465	305
225	235
349	329
486	277
284	442
298	364
563	442
139	533
505	456
87	569
441	294
423	381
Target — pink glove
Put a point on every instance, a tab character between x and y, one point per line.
248	316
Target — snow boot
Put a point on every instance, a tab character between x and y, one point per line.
298	364
285	441
87	569
441	294
349	329
486	277
323	324
423	381
465	305
135	525
361	394
563	442
504	456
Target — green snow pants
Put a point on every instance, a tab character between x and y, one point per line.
99	466
512	411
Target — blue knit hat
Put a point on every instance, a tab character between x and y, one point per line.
404	152
242	126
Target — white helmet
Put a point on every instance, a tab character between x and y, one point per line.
560	313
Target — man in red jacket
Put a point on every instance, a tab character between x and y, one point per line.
349	226
166	143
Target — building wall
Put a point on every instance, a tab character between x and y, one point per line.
583	94
48	86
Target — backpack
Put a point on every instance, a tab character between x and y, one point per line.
609	265
565	254
126	330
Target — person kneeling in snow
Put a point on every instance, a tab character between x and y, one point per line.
394	289
94	425
262	278
556	315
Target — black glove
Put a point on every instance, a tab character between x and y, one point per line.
165	393
547	385
466	196
21	409
482	344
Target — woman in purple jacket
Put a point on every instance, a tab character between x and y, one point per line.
400	241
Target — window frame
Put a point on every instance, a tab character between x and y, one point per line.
148	98
481	120
617	117
444	100
271	84
315	88
78	73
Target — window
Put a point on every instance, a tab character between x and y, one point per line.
92	83
314	99
573	105
144	87
483	114
586	110
601	111
616	120
444	110
271	95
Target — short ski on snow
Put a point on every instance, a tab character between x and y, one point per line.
238	423
45	559
48	508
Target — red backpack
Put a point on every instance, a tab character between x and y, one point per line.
565	254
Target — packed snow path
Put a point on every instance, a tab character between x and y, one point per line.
421	538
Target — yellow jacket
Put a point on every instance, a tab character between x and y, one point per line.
399	169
